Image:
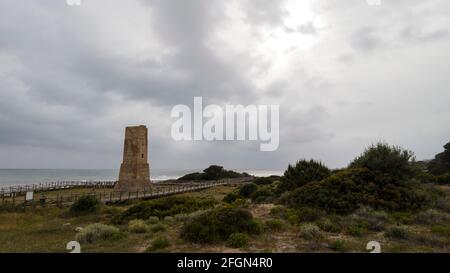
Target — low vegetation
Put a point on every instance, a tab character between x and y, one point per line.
158	244
138	226
261	193
382	195
380	178
274	225
97	232
238	240
392	161
85	204
346	190
302	173
218	224
398	232
440	165
310	231
213	172
158	227
163	207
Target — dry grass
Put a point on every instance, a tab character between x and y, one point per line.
49	229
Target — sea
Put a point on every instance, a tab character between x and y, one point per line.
12	177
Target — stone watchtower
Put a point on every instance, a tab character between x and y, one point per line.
134	172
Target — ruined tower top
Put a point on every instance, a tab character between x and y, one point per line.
134	171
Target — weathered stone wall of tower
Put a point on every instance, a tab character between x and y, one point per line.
134	170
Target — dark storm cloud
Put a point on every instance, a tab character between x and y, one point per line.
264	12
188	26
71	78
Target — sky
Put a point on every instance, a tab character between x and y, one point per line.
345	74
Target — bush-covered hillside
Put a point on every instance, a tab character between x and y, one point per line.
440	165
380	178
213	172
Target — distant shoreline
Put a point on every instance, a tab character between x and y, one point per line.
11	177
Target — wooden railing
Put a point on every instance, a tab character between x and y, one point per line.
109	196
18	190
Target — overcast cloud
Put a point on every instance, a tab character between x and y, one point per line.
344	73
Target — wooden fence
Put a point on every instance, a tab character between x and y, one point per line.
109	197
18	190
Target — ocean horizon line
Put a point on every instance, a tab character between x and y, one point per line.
14	177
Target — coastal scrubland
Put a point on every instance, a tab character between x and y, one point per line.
383	195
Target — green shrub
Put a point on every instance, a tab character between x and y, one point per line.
111	211
354	224
261	199
426	178
356	231
231	197
302	173
240	203
266	180
258	194
274	225
138	226
181	217
443	203
338	246
431	240
261	194
309	231
345	191
328	225
371	219
158	227
192	176
307	214
162	207
431	217
389	160
9	207
398	232
218	224
441	162
213	172
153	220
277	211
85	204
238	240
169	219
287	214
403	217
247	190
443	179
443	230
97	232
377	220
158	244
